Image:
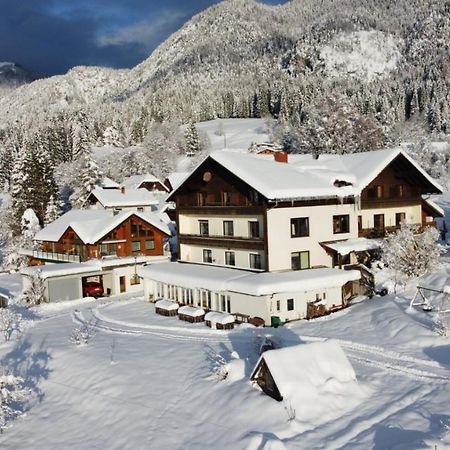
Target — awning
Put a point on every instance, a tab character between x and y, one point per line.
353	245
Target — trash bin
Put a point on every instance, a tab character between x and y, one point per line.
275	321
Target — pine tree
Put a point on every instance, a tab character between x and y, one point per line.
12	396
53	211
193	145
89	176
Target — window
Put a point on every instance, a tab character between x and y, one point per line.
207	256
399	218
341	224
230	259
107	249
253	229
140	209
278	305
136	246
201	198
228	229
359	223
226	198
397	191
300	227
300	260
379	191
254	196
290	304
138	230
255	261
150	244
203	227
378	221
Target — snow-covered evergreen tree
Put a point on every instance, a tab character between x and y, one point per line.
53	211
88	176
193	143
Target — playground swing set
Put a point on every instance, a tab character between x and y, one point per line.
431	298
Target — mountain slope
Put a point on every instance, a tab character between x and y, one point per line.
241	58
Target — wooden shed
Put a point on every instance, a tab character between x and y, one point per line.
219	320
166	308
191	314
303	373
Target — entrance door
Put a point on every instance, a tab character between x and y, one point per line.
123	287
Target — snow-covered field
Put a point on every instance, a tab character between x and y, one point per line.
146	381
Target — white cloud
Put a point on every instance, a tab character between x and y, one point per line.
146	32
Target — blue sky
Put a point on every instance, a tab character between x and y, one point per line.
51	36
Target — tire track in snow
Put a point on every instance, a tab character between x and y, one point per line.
103	324
390	360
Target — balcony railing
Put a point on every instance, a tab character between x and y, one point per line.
383	232
222	236
59	257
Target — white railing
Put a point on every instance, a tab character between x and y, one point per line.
60	257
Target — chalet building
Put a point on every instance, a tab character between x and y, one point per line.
123	199
97	245
146	181
274	213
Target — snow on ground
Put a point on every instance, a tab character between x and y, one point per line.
147	381
234	133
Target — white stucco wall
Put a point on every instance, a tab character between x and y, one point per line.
413	215
189	224
281	244
194	253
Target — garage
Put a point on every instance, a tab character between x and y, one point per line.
60	289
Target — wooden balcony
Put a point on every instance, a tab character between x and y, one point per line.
56	257
208	240
373	233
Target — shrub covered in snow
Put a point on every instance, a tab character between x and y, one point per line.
10	323
12	397
410	253
34	294
83	334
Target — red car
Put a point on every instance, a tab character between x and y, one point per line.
92	289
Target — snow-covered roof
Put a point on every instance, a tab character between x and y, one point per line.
92	224
310	372
267	283
191	311
199	276
59	270
305	177
219	317
91	266
176	178
193	276
111	198
434	206
282	181
136	181
107	183
166	305
354	245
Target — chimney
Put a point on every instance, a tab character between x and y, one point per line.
281	157
122	189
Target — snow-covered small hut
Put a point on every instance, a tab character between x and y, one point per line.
191	314
219	320
166	308
306	375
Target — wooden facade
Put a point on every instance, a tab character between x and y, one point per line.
153	186
399	184
132	237
263	377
